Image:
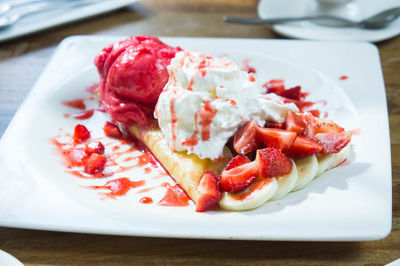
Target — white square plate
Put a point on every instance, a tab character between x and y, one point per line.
350	202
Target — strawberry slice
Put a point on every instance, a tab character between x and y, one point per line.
94	147
245	138
237	161
292	93
209	192
333	142
238	174
328	127
95	164
271	124
112	131
274	86
275	138
303	146
294	123
311	124
272	163
81	134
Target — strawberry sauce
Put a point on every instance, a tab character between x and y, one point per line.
174	196
119	187
84	115
77	104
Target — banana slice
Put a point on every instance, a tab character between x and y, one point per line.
307	168
286	183
328	161
252	197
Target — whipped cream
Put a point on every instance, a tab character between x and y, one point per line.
207	99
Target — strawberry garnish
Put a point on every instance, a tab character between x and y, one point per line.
333	142
292	93
311	124
303	146
275	138
274	86
94	147
271	124
272	162
112	131
95	164
328	127
294	123
209	192
81	133
245	138
238	174
237	161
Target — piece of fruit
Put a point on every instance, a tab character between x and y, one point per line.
112	131
286	183
95	164
294	123
252	197
245	138
328	127
307	168
274	86
328	161
292	93
275	138
209	192
303	146
272	162
311	124
237	161
333	142
94	147
81	134
238	178
271	124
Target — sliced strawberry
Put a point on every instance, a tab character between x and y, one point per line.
272	163
112	131
274	86
328	127
95	164
303	146
333	142
311	124
315	112
273	125
210	192
275	138
94	147
294	123
245	138
237	161
238	178
292	93
81	133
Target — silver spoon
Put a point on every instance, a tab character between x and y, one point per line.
377	21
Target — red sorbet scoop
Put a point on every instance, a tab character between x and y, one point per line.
133	73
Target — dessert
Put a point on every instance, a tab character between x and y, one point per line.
222	136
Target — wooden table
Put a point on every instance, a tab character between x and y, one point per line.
22	61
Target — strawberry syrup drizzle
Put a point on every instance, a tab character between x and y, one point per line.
206	114
92	88
146	200
344	77
77	103
258	185
119	187
84	115
174	196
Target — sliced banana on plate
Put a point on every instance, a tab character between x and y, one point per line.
328	161
286	183
307	168
254	196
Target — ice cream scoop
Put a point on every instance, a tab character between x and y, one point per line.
133	73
